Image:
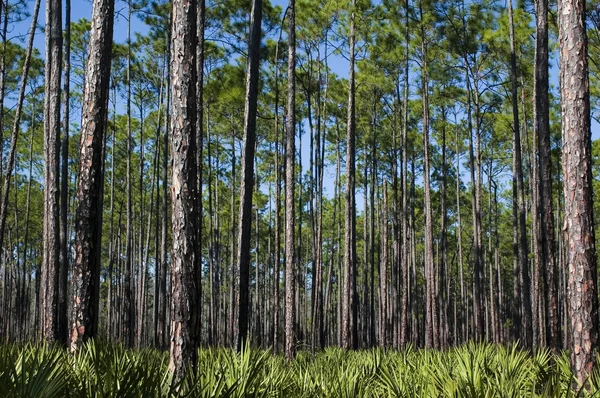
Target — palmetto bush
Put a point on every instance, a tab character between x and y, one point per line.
106	370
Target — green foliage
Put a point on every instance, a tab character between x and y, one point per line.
104	370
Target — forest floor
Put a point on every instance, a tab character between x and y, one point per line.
105	370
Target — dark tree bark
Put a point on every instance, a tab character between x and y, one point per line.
497	279
444	283
463	298
185	299
233	240
349	320
111	243
371	299
142	267
247	181
338	223
523	251
545	194
320	155
201	21
383	274
162	332
538	284
432	338
50	263
162	328
290	156
277	239
63	271
88	215
129	296
26	233
404	319
577	172
4	22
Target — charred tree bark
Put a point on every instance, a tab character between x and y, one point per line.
88	224
247	182
162	333
50	237
63	271
185	298
576	160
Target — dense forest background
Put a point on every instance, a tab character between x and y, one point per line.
428	208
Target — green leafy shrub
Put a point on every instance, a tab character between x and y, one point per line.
108	370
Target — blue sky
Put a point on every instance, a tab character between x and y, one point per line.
82	9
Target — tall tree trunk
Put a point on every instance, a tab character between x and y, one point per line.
525	298
463	298
349	320
111	247
247	182
185	270
299	271
477	307
577	173
317	326
63	271
158	257
50	264
4	22
290	156
277	239
141	283
497	277
88	224
404	319
211	224
538	278
129	307
162	300
417	332
542	128
201	22
443	299
320	152
232	291
383	274
432	338
338	225
366	263
27	212
146	249
371	298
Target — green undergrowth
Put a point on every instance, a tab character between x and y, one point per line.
106	370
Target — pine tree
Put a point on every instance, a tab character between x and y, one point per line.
88	215
576	163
